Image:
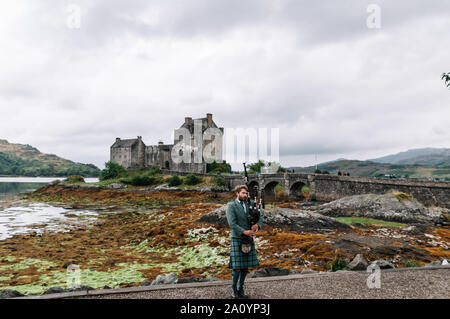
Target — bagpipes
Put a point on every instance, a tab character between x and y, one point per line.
255	208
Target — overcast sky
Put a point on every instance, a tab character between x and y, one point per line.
322	72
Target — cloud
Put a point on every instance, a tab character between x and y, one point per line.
313	69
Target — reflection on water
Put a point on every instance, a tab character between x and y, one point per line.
11	186
40	217
17	217
10	189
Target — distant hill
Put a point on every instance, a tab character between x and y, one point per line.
373	169
25	160
421	163
439	157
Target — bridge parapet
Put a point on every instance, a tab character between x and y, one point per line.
330	187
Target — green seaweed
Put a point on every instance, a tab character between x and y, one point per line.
8	259
4	278
26	263
368	221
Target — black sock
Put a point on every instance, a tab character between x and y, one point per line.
242	278
235	278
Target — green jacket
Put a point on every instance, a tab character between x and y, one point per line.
238	219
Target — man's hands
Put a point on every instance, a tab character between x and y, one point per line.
251	232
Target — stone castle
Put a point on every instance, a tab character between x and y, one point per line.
133	153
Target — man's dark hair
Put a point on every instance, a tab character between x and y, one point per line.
238	188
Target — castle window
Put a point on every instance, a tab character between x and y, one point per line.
180	152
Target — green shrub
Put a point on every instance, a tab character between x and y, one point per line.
112	170
337	264
412	263
142	180
305	191
219	181
192	179
74	179
215	167
154	170
403	196
281	170
175	180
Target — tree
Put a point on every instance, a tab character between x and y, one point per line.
192	179
175	180
256	167
112	170
215	167
446	78
273	167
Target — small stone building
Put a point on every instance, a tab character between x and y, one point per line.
133	153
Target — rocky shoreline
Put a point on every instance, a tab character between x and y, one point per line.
143	236
393	206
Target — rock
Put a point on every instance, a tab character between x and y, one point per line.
54	290
433	264
195	279
166	187
9	293
295	219
68	263
382	264
270	272
348	245
168	279
392	206
308	271
117	186
214	189
407	252
442	262
358	263
146	283
80	288
217	217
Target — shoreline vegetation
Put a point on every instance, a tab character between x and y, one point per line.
143	231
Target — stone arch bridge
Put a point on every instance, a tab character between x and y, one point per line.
324	187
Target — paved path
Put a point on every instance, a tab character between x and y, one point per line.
398	283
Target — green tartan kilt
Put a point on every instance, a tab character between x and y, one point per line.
239	260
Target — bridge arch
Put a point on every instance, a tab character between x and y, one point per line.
295	191
269	190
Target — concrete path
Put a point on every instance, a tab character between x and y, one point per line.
420	282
